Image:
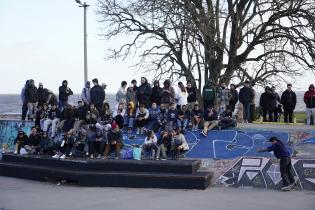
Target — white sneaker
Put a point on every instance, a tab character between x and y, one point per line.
99	156
63	156
15	152
55	156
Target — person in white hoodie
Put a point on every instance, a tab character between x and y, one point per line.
86	94
150	144
181	95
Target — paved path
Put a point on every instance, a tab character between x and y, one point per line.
22	194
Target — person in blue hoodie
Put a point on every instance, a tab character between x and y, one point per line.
153	123
282	153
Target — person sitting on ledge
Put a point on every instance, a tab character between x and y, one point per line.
65	146
46	144
34	140
20	141
142	117
179	143
149	144
114	142
226	119
196	116
183	116
211	120
164	144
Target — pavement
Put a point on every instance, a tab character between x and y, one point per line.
22	194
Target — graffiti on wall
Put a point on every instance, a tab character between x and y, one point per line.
262	172
219	144
10	128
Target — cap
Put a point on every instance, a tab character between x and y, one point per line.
40	84
274	138
95	80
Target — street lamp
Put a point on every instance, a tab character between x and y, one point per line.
84	5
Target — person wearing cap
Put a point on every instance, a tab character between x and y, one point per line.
265	103
64	93
246	96
97	96
309	100
20	141
86	94
288	101
281	152
115	142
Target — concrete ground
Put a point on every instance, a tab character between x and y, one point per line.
22	194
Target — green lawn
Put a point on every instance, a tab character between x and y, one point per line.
300	117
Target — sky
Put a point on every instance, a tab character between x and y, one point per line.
43	40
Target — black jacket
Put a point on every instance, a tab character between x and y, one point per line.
210	117
192	94
266	100
52	114
34	140
22	141
31	94
97	94
64	93
234	96
156	95
43	94
144	93
288	100
246	95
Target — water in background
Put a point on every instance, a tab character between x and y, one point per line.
12	104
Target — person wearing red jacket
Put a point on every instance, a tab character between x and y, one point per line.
309	100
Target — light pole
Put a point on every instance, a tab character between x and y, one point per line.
84	5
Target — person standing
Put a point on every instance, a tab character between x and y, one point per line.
281	152
246	97
223	97
86	94
144	93
131	95
181	95
122	93
275	103
309	100
97	96
265	102
208	94
288	100
64	93
134	83
168	94
32	99
233	98
156	95
24	100
192	95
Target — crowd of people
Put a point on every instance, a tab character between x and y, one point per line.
163	114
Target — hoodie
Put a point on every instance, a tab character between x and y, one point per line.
168	93
64	92
309	97
31	92
144	93
156	95
86	94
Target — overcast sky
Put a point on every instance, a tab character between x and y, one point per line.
43	40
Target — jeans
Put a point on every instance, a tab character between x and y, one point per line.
182	123
24	110
161	149
286	113
269	113
32	108
129	121
309	112
246	111
54	124
285	170
61	104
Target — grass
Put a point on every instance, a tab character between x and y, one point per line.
300	117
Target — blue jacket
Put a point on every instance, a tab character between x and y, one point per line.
279	150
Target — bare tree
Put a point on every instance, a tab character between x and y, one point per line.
264	41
